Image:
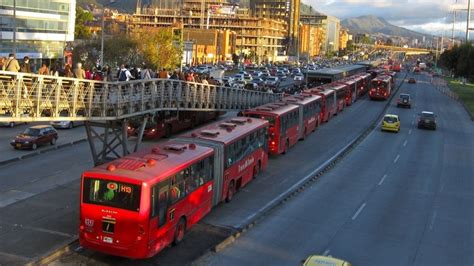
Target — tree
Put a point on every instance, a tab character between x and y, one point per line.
156	45
82	17
459	60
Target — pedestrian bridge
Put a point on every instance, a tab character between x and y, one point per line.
30	97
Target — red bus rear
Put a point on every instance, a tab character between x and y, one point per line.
309	112
380	88
328	102
284	127
137	205
363	83
351	90
241	144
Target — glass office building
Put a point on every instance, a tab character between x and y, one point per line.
42	27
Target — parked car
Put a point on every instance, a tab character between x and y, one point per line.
35	136
11	123
298	77
66	123
427	120
272	82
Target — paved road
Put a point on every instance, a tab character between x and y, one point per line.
282	173
398	199
7	134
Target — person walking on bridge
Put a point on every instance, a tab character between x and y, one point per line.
79	73
11	64
25	67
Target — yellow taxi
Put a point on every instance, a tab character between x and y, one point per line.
391	123
315	260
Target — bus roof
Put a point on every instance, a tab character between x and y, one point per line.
320	90
386	78
227	131
302	99
161	160
277	108
335	86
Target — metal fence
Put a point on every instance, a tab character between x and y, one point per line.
30	97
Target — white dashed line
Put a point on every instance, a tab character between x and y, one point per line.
409	132
412	123
433	220
383	179
441	188
396	158
326	252
405	143
359	211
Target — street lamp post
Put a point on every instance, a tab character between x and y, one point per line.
14	27
102	33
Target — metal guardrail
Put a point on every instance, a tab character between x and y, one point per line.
30	97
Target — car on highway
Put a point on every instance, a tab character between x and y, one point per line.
239	84
35	136
391	122
259	83
247	77
404	100
281	76
272	82
427	120
316	260
411	80
11	123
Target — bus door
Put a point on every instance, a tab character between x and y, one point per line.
301	121
218	171
159	227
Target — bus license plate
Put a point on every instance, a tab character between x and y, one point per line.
107	239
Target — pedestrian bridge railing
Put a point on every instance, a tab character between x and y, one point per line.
30	97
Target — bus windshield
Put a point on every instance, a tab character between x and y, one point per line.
270	119
111	193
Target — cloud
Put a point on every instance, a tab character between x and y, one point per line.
414	14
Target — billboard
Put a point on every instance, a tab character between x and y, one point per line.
222	10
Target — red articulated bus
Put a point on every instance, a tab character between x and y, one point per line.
283	132
309	113
328	102
363	83
380	88
341	90
242	142
166	123
137	205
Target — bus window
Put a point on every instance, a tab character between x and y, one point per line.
177	188
112	193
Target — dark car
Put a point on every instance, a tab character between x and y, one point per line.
35	136
427	120
404	100
412	80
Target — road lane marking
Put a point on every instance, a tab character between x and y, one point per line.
413	122
359	211
442	188
383	179
409	132
326	252
405	143
433	220
396	158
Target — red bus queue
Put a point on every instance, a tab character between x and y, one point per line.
137	205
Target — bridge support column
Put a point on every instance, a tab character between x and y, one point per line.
109	140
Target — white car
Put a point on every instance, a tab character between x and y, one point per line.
298	77
66	123
11	123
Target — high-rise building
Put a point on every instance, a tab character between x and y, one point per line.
42	27
283	10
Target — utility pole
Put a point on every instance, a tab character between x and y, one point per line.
14	27
468	19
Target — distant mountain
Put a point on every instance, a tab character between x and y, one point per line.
374	25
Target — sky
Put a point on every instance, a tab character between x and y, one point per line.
428	16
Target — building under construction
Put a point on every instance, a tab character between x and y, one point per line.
259	39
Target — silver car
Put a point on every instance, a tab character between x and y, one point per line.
66	124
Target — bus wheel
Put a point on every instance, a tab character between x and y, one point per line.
256	169
286	147
168	131
180	231
230	192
